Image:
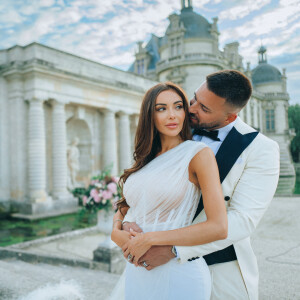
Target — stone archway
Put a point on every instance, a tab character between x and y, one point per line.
80	129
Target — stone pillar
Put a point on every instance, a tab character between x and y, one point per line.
17	139
109	142
260	116
133	128
59	151
124	136
4	148
280	116
37	152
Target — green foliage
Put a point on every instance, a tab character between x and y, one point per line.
294	122
297	187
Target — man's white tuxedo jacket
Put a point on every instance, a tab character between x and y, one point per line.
250	184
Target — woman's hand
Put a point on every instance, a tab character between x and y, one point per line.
137	246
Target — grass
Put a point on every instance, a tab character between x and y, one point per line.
13	231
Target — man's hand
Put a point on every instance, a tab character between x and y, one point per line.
132	225
156	256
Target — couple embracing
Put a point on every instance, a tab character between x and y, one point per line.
192	199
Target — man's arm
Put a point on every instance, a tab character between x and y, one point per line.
251	198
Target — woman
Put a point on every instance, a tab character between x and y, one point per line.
161	193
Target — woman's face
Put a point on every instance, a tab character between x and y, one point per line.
169	113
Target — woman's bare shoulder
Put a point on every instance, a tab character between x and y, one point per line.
202	158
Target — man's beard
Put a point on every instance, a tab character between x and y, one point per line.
206	126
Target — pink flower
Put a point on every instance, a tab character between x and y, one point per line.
115	179
84	200
94	193
112	187
107	194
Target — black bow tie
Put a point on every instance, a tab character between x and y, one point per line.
211	134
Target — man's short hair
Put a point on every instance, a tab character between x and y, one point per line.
232	85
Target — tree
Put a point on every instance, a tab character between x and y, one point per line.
294	122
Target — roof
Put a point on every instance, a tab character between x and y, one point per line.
195	24
265	72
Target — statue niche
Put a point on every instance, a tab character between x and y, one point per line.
79	151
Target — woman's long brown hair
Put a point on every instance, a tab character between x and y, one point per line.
147	139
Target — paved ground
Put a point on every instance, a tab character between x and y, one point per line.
276	243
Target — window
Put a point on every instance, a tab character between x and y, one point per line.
270	120
140	66
175	47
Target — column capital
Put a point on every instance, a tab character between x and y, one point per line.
108	111
123	113
55	102
35	100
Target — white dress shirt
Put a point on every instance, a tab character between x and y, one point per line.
215	145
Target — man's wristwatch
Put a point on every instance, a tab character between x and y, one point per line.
174	251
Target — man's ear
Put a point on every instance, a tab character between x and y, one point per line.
231	117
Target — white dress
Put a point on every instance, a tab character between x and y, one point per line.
161	197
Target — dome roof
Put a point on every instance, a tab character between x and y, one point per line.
194	24
265	73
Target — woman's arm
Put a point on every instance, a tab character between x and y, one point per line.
204	168
119	236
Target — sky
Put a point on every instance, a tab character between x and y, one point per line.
107	31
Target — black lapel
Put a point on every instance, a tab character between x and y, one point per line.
230	150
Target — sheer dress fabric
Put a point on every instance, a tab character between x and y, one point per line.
161	197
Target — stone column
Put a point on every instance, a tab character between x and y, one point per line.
17	137
4	147
280	117
59	151
37	152
109	142
133	128
124	136
260	116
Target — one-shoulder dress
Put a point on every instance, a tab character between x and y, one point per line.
161	197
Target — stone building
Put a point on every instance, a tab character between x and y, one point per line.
189	51
49	98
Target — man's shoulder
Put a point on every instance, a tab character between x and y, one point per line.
261	139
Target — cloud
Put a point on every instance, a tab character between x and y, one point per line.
278	18
277	28
243	9
107	31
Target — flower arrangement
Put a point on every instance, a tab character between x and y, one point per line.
102	192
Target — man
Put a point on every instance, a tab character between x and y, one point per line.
249	169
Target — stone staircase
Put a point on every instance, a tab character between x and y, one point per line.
286	164
287	178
